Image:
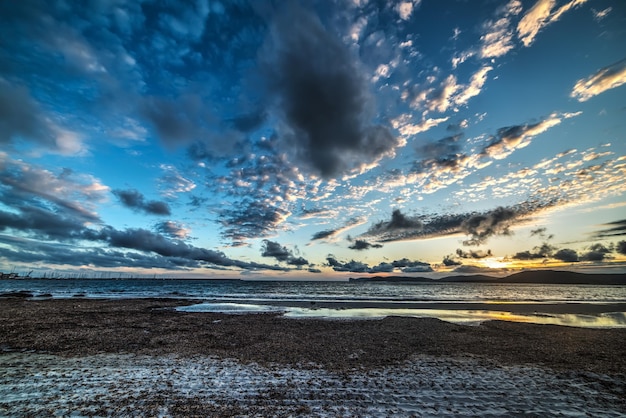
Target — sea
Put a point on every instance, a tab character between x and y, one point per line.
466	303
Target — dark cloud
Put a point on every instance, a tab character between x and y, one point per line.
411	266
448	146
317	213
281	253
30	252
328	233
172	229
274	249
405	265
449	261
135	200
527	255
297	261
544	251
542	233
620	247
382	268
360	244
68	228
473	254
42	223
323	234
261	187
617	228
481	227
252	219
478	226
352	266
321	96
566	254
147	241
597	252
22	117
398	222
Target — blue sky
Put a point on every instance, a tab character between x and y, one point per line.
310	139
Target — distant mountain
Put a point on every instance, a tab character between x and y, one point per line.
529	276
564	277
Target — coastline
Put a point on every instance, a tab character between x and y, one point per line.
581	308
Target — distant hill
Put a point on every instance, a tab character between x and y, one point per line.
529	276
564	277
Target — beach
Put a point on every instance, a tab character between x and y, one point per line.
266	364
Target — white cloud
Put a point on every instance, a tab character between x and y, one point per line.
475	86
605	79
443	99
541	15
69	142
382	71
498	35
173	182
601	14
557	15
510	139
534	20
405	8
406	128
498	39
461	57
356	30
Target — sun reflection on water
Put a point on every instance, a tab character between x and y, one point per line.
460	316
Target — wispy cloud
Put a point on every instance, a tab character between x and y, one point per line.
541	15
68	192
533	20
604	79
329	234
497	39
612	229
514	137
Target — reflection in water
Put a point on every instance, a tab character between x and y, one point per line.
468	317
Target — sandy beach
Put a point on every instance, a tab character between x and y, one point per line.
255	365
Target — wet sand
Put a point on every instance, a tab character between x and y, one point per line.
128	357
76	327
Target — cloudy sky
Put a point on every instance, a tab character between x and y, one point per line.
312	139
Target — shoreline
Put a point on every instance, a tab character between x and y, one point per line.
581	308
80	327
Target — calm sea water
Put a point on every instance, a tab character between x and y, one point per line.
250	291
258	296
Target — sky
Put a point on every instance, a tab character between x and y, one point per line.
312	139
